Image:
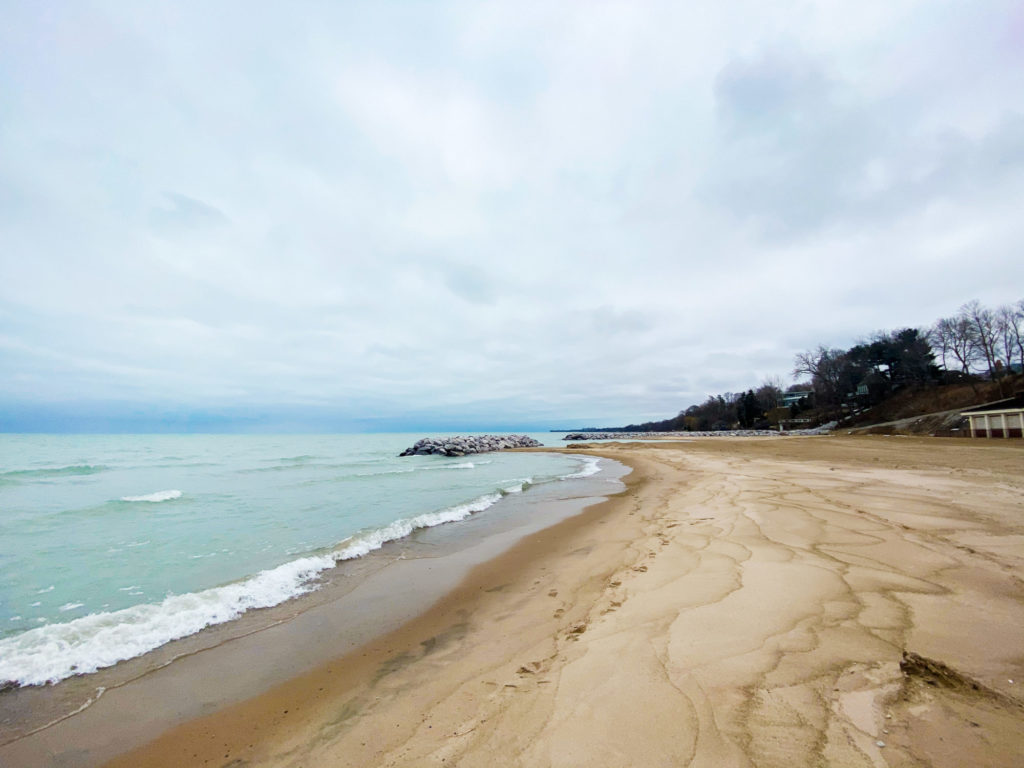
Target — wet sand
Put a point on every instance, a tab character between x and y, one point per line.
846	601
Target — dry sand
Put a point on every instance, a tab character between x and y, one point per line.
793	602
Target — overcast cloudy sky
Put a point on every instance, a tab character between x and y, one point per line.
350	215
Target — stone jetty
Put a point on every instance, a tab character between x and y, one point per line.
662	435
463	445
824	429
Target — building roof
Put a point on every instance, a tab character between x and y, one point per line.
1010	404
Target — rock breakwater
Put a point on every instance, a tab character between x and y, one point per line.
824	429
464	445
660	435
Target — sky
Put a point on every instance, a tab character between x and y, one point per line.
444	215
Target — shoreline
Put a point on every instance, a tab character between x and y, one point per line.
225	663
117	596
846	600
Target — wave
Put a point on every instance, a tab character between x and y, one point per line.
460	465
353	478
349	468
186	465
70	470
591	466
54	652
364	543
298	464
57	651
518	486
155	496
384	472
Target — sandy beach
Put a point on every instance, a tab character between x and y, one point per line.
804	601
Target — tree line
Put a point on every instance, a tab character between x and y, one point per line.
976	343
978	339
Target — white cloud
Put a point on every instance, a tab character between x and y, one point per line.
587	210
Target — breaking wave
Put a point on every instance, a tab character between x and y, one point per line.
45	472
53	652
155	496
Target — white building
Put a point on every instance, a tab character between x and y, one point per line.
1004	418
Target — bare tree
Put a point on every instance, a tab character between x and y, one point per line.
825	367
1002	321
1018	330
953	336
982	323
1009	326
769	394
941	338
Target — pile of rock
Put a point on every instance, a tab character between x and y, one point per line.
460	446
824	429
622	435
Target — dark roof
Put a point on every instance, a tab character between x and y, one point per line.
1009	404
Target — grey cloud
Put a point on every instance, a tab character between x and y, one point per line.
789	148
775	93
597	211
184	215
800	149
610	320
469	283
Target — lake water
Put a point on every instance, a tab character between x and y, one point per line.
112	545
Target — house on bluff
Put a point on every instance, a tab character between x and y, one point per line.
1003	418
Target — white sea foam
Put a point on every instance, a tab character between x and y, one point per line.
460	465
361	544
519	486
155	496
385	472
51	653
591	466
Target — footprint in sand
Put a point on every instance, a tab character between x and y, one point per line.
576	631
553	593
530	668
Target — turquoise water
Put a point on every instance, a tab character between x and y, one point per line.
111	545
